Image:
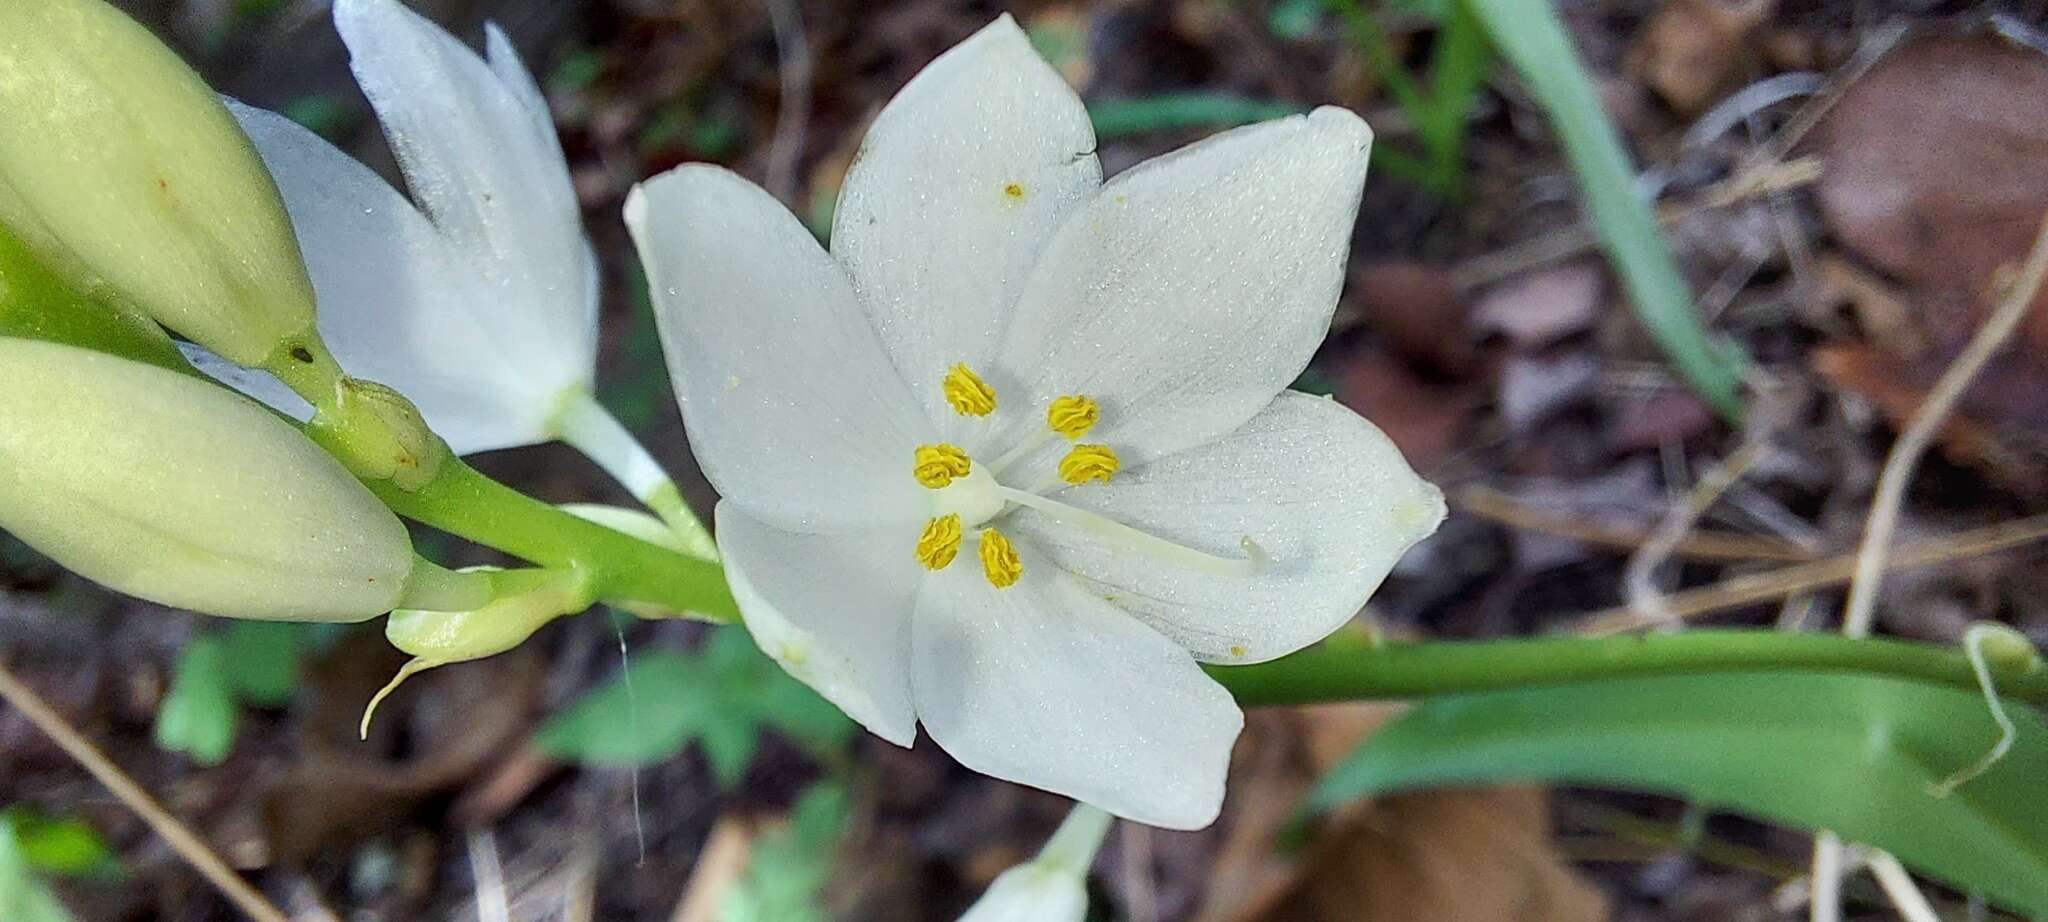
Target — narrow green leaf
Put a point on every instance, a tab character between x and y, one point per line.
1860	755
1122	118
1532	38
198	714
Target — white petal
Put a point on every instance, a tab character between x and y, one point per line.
834	610
1195	286
397	303
1031	893
504	61
490	175
1043	683
260	385
927	222
792	409
1323	492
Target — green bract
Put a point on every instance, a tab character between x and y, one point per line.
169	488
125	172
523	601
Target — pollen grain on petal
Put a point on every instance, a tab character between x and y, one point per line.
1014	191
936	465
966	393
939	543
1072	416
999	559
1087	462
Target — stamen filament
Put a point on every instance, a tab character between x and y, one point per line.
1037	441
1143	542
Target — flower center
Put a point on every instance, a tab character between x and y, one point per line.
966	496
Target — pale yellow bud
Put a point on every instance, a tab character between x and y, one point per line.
124	171
173	489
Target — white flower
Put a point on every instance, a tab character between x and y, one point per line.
479	304
1019	452
1052	887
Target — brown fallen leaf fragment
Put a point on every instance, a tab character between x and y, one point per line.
1416	307
1544	305
1473	855
1423	418
1691	49
340	789
1478	855
1932	163
1934	174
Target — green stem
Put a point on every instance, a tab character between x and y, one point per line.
585	425
433	587
465	503
1347	669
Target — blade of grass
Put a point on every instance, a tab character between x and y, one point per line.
1121	118
1533	39
1457	71
1438	104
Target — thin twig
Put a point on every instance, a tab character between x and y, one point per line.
493	904
1898	885
1784	581
1973	645
181	838
1489	268
719	865
1824	886
1141	903
1913	442
1489	503
1644	598
1870	51
1884	520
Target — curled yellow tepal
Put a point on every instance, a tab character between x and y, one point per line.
166	487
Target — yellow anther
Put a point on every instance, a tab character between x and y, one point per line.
1072	416
1087	462
967	393
999	559
939	542
936	465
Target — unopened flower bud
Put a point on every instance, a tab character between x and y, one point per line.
167	487
524	602
124	172
1052	887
